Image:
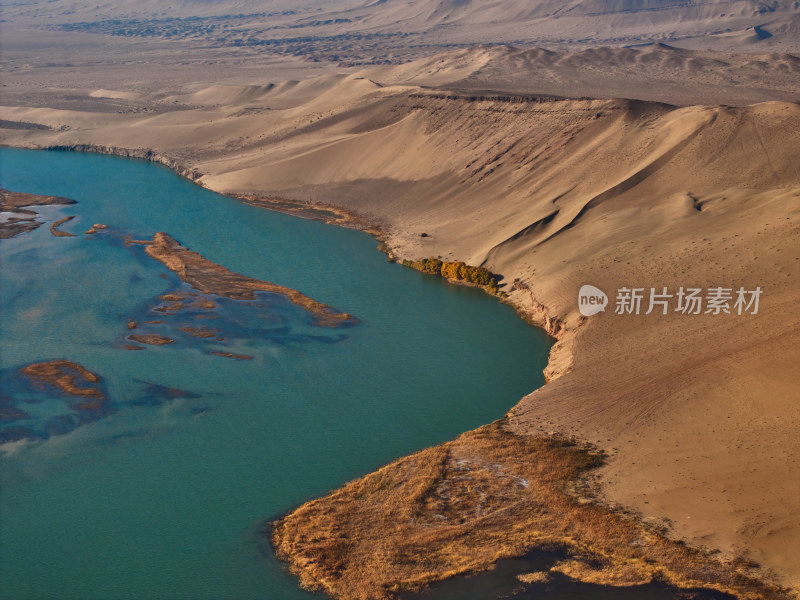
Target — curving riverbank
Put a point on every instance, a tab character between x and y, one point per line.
604	546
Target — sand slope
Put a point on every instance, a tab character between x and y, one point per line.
700	412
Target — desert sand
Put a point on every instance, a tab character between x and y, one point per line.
531	163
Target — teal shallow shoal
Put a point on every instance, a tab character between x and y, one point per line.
167	499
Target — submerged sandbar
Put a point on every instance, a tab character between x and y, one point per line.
23	220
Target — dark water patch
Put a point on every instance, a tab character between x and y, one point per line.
232	355
62	400
154	394
18	433
9	412
331	339
530	578
60	425
123	436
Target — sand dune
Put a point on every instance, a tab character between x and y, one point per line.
100	81
650	72
699	412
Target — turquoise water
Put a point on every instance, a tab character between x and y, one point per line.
167	493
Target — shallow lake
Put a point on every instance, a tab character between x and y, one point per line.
166	493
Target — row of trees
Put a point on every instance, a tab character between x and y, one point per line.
456	270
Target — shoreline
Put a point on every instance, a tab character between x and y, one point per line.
539	316
536	314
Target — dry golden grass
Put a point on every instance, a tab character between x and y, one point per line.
69	377
535	577
459	507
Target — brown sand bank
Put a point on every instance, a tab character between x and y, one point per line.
150	339
15	200
327	213
64	375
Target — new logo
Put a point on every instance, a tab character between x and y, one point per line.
591	300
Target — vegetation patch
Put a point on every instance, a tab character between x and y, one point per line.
490	494
458	271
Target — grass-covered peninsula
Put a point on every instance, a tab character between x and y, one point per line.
487	495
